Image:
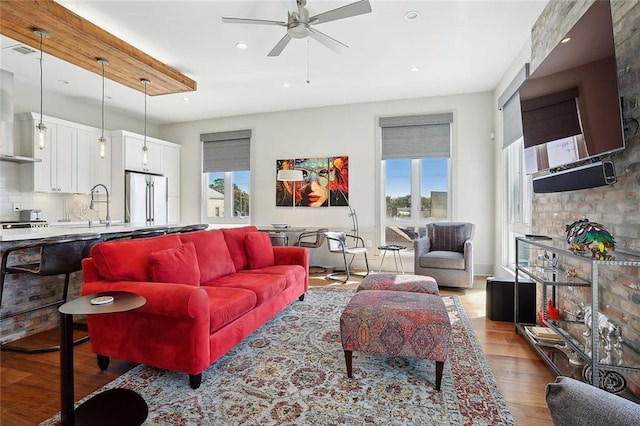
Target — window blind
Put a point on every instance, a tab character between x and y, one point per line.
226	151
416	136
550	117
509	103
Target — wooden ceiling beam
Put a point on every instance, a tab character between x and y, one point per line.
75	40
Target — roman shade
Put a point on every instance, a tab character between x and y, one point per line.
550	117
416	136
226	151
509	103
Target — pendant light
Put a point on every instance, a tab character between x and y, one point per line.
145	150
102	141
41	128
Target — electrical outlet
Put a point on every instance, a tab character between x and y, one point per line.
369	243
16	207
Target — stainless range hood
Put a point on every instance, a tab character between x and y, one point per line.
6	121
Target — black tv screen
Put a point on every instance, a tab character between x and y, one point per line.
570	106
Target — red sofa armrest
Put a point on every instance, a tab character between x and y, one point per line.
165	299
290	255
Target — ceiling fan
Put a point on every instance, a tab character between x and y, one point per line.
299	23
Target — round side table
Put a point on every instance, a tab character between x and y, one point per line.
395	249
114	406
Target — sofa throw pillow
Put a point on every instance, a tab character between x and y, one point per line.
127	260
175	265
214	258
235	243
259	250
448	238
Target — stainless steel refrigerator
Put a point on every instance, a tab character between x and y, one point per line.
145	198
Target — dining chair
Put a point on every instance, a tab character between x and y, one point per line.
338	242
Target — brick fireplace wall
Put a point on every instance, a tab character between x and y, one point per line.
616	206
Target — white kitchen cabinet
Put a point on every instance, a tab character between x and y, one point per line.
133	155
68	160
171	168
84	166
57	170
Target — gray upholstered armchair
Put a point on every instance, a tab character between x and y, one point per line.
446	253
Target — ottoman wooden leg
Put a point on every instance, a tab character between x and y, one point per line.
348	355
439	369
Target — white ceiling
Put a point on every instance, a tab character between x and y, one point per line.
459	47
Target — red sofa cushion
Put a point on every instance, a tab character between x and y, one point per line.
259	249
213	255
227	304
265	286
235	243
292	273
127	260
175	265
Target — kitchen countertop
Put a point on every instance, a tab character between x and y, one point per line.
71	228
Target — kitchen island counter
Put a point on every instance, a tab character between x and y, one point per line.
62	228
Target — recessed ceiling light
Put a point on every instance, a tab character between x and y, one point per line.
414	69
286	85
565	40
410	15
63	82
185	99
241	45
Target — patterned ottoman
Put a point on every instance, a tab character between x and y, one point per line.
394	282
396	323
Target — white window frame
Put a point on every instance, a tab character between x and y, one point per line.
228	217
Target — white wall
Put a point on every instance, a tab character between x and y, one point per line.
351	130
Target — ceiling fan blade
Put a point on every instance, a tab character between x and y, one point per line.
252	21
280	46
358	8
331	43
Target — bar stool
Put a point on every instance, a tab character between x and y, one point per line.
57	256
188	228
139	233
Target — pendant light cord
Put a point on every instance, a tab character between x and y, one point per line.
308	66
103	63
145	112
41	35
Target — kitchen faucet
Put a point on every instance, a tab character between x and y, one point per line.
107	220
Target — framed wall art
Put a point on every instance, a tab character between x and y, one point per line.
325	182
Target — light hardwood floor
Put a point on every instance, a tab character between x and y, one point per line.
30	391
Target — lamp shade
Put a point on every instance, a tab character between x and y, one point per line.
289	175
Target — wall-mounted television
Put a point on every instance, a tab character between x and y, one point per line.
570	106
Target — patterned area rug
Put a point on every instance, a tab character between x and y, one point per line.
292	372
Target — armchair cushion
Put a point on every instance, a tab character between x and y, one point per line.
442	260
175	265
214	258
448	237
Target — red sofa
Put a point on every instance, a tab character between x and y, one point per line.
205	292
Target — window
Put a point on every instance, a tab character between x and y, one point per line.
226	176
518	183
415	166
